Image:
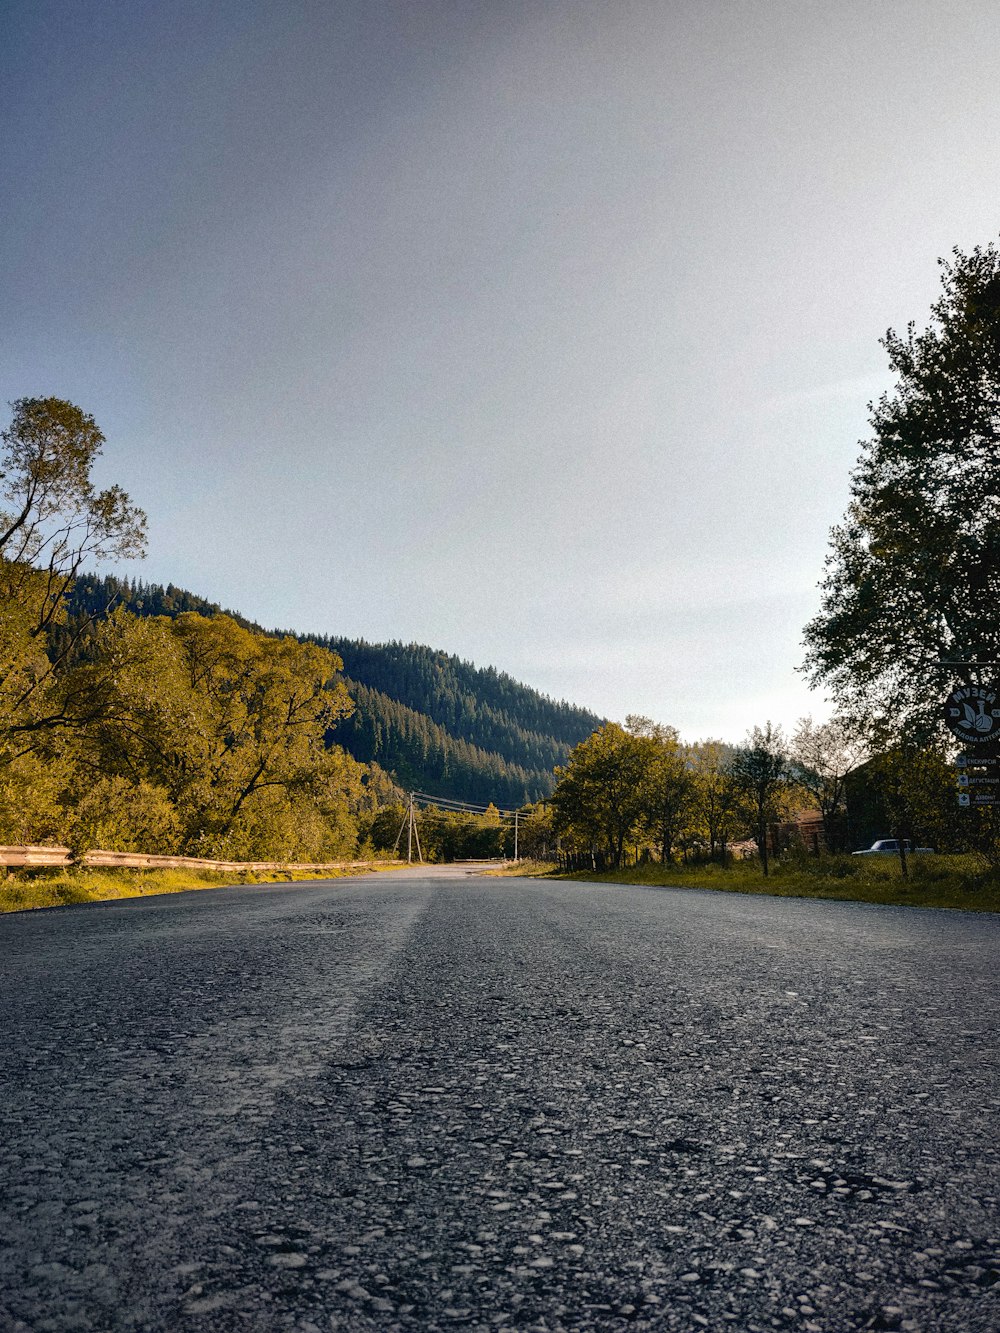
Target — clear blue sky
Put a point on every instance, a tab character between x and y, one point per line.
539	332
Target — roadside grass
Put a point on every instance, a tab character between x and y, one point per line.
526	869
26	889
964	883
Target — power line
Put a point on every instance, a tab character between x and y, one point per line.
450	804
449	800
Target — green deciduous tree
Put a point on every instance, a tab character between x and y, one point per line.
668	783
600	796
916	786
195	734
760	772
52	521
536	836
118	815
55	519
715	804
32	788
913	576
217	717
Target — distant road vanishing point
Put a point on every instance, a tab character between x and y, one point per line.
436	1100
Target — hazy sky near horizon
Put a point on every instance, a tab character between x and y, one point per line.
540	332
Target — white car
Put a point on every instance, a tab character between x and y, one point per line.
890	847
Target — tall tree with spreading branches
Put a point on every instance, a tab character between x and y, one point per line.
52	521
823	756
913	575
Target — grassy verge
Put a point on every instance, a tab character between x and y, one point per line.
59	888
525	869
959	882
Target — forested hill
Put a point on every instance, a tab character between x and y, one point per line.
435	722
483	706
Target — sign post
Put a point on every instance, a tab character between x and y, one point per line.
972	713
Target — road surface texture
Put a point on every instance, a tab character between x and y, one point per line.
436	1101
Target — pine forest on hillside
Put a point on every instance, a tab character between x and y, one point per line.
427	718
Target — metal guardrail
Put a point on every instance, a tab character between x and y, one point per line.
27	857
15	857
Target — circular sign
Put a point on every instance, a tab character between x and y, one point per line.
972	712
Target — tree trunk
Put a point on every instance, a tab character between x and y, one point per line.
762	830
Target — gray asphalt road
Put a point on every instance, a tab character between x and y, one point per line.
421	1103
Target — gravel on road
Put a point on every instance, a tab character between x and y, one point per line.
436	1100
